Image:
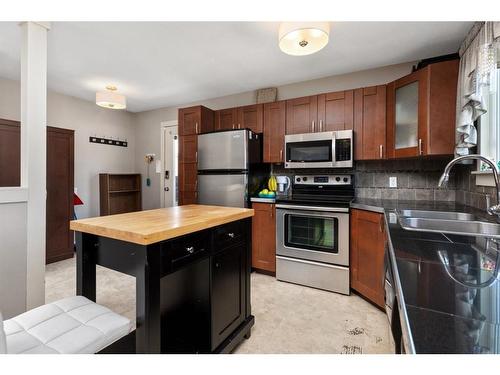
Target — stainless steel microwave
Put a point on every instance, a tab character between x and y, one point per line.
319	150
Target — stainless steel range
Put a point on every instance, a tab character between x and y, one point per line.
312	232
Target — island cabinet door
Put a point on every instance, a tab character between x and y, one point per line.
228	292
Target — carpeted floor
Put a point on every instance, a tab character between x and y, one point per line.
288	318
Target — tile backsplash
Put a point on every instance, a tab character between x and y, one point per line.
417	179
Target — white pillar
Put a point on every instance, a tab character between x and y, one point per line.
34	153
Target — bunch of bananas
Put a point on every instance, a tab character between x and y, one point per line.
272	184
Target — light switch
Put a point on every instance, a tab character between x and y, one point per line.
158	166
393	182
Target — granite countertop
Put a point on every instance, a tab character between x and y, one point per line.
151	226
448	283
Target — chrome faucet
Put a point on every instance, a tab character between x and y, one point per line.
443	180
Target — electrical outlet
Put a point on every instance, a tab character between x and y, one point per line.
393	182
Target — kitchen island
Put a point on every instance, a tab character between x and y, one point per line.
192	267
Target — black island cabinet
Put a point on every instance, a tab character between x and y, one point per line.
192	291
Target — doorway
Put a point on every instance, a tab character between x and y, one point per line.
170	155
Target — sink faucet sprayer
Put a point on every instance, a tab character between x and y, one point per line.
443	180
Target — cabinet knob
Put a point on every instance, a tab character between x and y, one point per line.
281	155
381	151
190	249
196	125
420	150
230	235
217	265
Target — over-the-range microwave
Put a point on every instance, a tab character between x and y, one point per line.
319	150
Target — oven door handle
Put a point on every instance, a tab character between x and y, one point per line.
312	208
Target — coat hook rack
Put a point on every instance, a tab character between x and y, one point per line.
108	141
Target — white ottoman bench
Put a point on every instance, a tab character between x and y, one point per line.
71	325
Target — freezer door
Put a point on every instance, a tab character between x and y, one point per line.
223	190
223	150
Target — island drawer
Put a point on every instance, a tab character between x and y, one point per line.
183	250
229	234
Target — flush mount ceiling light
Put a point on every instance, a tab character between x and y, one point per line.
110	99
303	38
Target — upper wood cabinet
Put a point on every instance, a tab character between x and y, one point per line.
421	112
335	111
192	121
367	254
370	123
251	117
274	132
246	117
264	237
195	120
226	119
320	113
302	115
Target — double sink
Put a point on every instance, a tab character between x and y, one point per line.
460	223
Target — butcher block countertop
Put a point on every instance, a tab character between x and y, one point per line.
147	227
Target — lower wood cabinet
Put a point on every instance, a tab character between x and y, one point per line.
367	255
264	237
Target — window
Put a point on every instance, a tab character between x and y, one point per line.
489	126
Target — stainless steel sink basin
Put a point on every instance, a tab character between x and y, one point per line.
447	222
443	215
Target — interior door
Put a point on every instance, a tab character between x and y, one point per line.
10	153
60	177
170	166
60	182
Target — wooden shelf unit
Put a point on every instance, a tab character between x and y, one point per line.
119	193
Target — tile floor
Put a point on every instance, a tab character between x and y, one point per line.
288	318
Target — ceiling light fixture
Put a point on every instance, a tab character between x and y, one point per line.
303	38
110	98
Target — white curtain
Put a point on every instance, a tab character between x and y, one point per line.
479	47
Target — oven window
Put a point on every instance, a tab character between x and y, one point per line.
311	232
311	151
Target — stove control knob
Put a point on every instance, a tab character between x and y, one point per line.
345	179
297	179
337	178
304	179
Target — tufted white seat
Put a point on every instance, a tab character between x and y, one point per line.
71	325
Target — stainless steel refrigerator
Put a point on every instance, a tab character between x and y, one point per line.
229	167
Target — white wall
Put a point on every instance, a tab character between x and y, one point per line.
86	119
13	258
147	129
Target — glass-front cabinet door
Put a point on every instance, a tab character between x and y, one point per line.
406	115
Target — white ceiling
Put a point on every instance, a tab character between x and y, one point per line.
160	64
